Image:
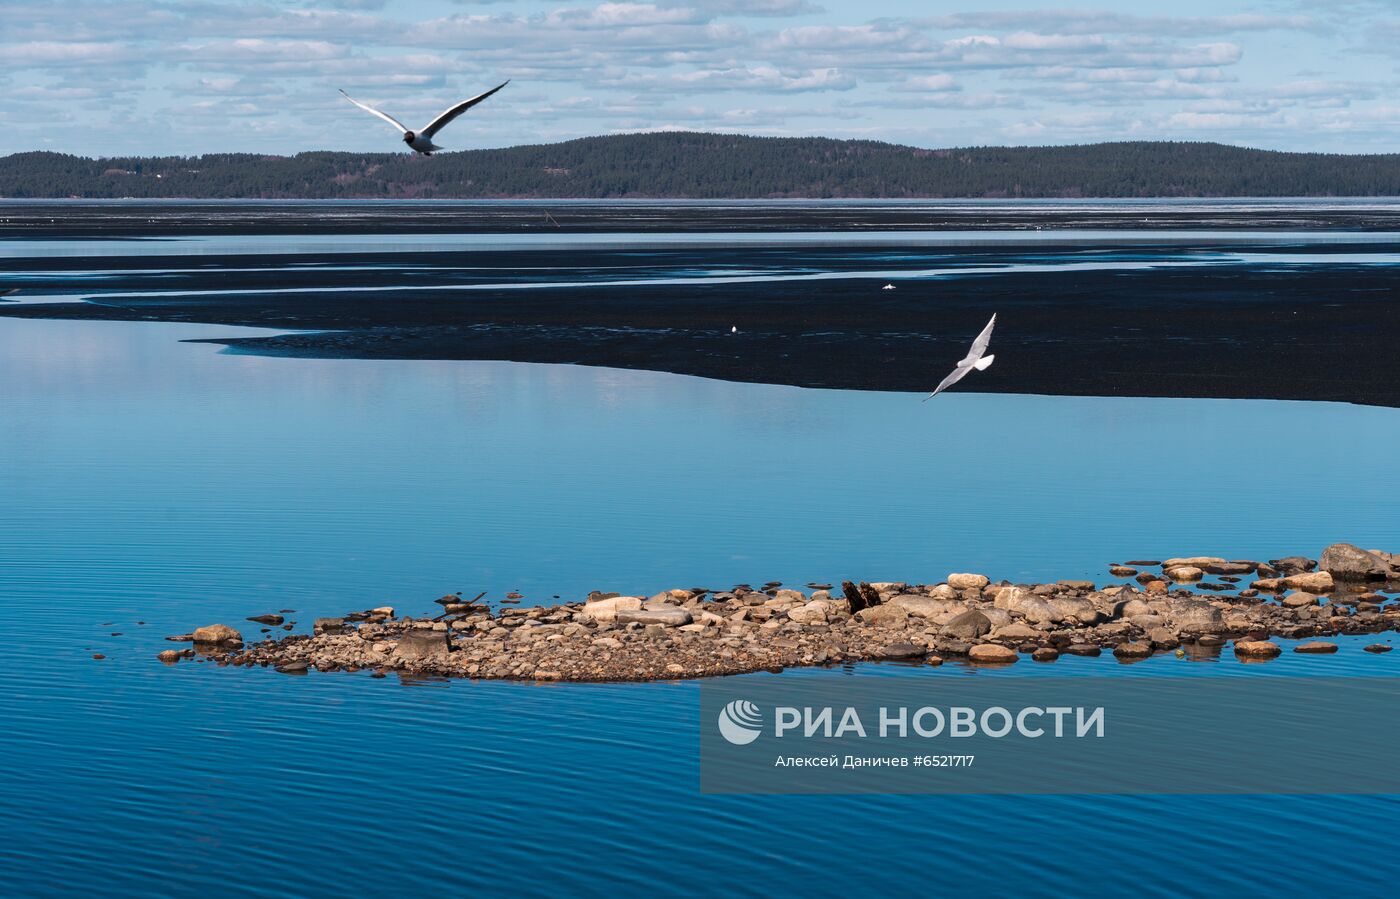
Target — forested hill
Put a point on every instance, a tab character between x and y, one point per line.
709	166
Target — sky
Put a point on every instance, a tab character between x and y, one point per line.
170	77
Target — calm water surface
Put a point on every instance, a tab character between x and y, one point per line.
147	480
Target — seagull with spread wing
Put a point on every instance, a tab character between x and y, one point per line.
975	358
422	141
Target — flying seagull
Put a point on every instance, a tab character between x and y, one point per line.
422	141
973	359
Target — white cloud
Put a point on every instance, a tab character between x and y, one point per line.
591	66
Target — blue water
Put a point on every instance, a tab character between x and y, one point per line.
147	480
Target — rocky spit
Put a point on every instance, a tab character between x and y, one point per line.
1182	605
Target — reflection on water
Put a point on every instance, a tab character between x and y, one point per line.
148	486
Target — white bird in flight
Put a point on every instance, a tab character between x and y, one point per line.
422	141
973	359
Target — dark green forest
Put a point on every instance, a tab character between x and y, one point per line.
712	166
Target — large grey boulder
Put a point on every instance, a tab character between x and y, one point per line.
969	625
1078	608
884	616
931	607
1352	563
1194	616
814	612
606	610
1036	609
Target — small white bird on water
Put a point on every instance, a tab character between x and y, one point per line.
422	141
973	359
888	287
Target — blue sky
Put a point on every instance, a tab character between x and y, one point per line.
106	77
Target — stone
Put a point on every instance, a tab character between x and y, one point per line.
169	656
1122	571
1163	638
1024	602
1184	573
670	616
1018	631
298	667
1132	608
1346	562
1156	588
1299	599
266	619
1083	649
991	653
322	625
814	612
1318	647
903	651
1075	608
933	661
1193	562
1374	647
216	633
422	643
929	607
1133	650
1257	649
1243	566
968	625
968	581
998	617
1319	582
1293	564
883	616
605	610
1045	654
1194	616
1077	585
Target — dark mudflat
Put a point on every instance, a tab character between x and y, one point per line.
1324	331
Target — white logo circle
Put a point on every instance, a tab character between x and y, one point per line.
740	722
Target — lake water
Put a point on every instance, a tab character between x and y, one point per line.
148	486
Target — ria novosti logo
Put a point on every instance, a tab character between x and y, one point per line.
740	722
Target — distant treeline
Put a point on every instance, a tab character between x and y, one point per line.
712	166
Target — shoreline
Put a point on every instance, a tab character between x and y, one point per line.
1177	605
105	218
